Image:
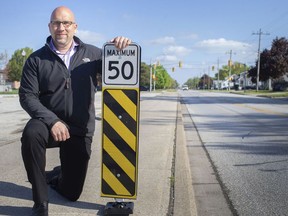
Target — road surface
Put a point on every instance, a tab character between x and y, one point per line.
246	139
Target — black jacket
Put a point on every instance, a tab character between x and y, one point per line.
50	92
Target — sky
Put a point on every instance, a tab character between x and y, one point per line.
199	33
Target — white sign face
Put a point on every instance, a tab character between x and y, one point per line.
121	67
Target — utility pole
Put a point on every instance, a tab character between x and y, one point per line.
209	84
260	33
154	77
150	85
203	78
218	74
229	64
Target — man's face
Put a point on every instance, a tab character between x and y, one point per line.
62	28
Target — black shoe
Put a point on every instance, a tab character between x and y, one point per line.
40	209
52	175
53	183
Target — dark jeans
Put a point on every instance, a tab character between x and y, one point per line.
74	156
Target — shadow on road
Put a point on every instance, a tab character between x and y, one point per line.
12	190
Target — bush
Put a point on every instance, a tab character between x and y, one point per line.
280	85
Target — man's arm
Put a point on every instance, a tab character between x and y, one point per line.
29	100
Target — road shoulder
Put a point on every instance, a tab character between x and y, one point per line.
184	203
209	197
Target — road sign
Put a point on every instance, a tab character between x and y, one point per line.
121	67
120	121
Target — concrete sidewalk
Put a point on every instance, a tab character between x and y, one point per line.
158	136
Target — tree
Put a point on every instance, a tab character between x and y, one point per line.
192	83
236	68
273	62
205	82
175	84
145	75
163	79
16	63
264	65
223	73
3	62
3	58
278	58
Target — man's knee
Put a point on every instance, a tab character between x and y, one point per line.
73	197
35	135
35	130
71	194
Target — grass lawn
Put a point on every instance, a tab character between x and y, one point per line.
9	92
263	93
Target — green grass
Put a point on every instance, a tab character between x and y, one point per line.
13	92
263	93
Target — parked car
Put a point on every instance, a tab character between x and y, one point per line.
144	88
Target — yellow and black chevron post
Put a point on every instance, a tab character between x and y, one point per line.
120	119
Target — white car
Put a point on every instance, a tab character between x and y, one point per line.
185	87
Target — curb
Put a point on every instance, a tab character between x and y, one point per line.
210	198
184	199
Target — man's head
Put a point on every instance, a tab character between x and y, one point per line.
62	27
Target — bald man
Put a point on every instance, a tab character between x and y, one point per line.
57	90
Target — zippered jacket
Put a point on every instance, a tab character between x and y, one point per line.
50	92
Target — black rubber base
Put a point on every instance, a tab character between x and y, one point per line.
119	208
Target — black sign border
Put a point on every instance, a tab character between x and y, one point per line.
137	84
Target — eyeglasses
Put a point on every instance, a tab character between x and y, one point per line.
66	24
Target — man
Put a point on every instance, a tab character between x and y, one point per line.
57	90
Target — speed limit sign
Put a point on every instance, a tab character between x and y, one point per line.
120	121
121	67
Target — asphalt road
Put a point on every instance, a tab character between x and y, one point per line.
246	139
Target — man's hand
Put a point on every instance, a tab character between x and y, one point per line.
121	42
60	132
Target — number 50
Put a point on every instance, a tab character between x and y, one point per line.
113	65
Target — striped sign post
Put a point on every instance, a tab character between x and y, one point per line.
120	126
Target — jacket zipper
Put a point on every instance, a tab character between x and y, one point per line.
67	83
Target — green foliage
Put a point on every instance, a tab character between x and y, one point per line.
16	63
13	92
163	79
145	75
223	73
236	68
192	83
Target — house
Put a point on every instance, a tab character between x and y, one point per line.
4	86
243	82
224	84
2	77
